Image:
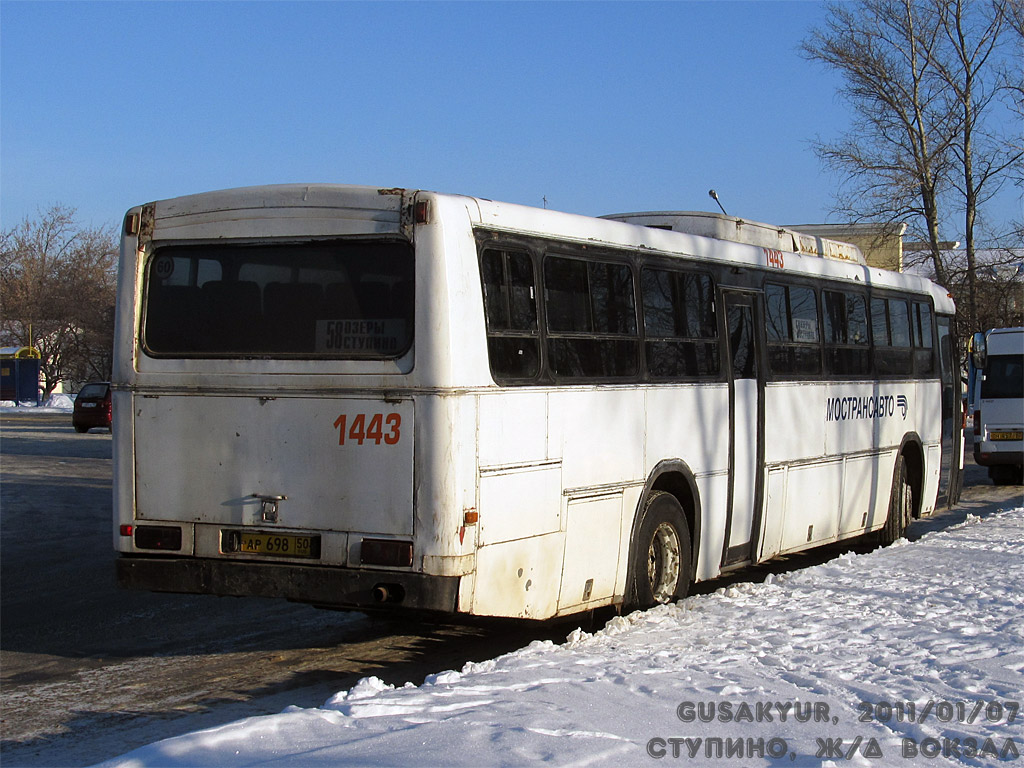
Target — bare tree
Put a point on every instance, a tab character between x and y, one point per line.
1013	77
926	80
58	285
998	284
894	156
974	34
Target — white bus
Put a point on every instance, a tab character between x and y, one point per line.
396	399
997	399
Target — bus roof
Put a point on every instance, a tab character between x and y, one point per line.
701	235
1005	341
722	227
654	234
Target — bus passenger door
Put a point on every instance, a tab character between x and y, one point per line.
744	326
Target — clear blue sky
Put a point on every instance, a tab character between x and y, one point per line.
599	107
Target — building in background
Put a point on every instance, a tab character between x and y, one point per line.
881	244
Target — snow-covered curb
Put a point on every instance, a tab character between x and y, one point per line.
912	654
55	404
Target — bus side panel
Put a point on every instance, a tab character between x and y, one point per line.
812	426
520	502
591	561
690	423
513	428
794	412
122	379
927	418
451	342
774	512
123	467
932	477
811	485
865	495
519	578
714	501
446	483
597	436
601	444
813	492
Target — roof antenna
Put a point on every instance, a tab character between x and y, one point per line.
714	196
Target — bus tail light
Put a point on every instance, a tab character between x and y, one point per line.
126	530
397	554
132	224
419	212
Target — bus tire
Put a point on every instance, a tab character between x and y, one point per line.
659	555
901	505
1004	474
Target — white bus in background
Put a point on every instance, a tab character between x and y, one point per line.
997	397
396	399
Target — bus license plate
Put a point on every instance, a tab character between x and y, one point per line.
1006	435
274	544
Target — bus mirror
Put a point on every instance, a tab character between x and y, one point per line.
979	350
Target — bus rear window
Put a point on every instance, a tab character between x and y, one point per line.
340	300
1003	377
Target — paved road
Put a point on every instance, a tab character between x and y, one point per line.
88	671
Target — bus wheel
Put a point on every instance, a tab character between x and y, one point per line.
660	554
901	505
1004	474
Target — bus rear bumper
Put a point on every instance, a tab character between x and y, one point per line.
316	585
997	458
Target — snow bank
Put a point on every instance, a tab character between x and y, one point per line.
909	655
55	404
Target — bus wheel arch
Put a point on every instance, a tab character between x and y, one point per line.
669	498
906	491
912	451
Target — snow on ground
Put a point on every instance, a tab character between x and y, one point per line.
55	404
909	655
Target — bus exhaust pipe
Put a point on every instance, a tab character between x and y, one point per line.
388	593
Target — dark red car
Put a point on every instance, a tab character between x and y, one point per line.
92	407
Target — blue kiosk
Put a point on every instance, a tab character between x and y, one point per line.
19	374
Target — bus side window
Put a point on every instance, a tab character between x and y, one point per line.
890	324
847	342
794	344
921	327
679	324
591	318
899	323
510	308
